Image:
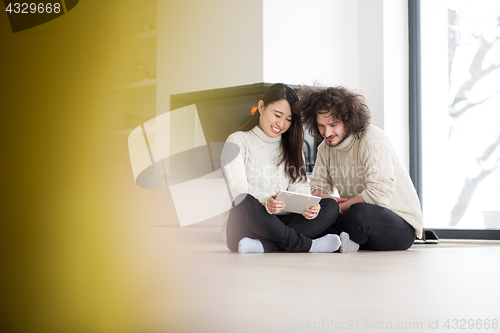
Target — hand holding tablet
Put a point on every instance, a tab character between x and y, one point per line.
312	212
274	206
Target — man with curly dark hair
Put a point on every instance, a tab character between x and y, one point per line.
357	165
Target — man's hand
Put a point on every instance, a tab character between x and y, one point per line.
274	206
339	200
342	208
323	195
345	205
312	212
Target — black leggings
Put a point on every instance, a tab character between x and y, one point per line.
291	232
375	228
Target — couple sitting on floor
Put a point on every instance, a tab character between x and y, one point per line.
376	207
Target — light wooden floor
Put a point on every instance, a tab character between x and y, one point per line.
210	289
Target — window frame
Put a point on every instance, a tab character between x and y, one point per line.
415	126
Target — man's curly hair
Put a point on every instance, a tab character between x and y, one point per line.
344	104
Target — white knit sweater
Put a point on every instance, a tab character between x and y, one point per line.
368	166
250	163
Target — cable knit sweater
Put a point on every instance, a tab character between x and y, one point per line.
368	166
250	164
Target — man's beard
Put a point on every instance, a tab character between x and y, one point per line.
332	145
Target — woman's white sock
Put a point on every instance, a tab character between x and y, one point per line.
347	245
325	244
249	245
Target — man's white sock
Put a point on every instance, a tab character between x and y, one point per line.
249	245
325	244
347	245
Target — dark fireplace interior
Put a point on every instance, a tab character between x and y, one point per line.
222	111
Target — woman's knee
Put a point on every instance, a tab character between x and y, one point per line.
232	232
245	199
329	203
232	245
329	211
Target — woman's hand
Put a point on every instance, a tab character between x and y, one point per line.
312	212
274	206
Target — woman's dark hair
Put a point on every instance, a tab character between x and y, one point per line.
293	139
344	104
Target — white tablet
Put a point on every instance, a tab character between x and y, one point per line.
297	202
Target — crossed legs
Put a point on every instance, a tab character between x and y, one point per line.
291	232
375	228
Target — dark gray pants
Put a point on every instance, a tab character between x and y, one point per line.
374	228
291	232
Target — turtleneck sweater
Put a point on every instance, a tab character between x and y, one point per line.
255	169
250	164
368	166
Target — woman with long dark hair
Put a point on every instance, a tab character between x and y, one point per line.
261	159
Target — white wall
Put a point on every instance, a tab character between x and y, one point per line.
396	76
383	68
371	57
206	45
311	41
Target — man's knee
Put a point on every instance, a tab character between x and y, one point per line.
391	243
359	214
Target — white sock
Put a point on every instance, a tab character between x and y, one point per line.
347	245
249	245
325	244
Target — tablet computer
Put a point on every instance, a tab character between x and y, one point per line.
297	202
